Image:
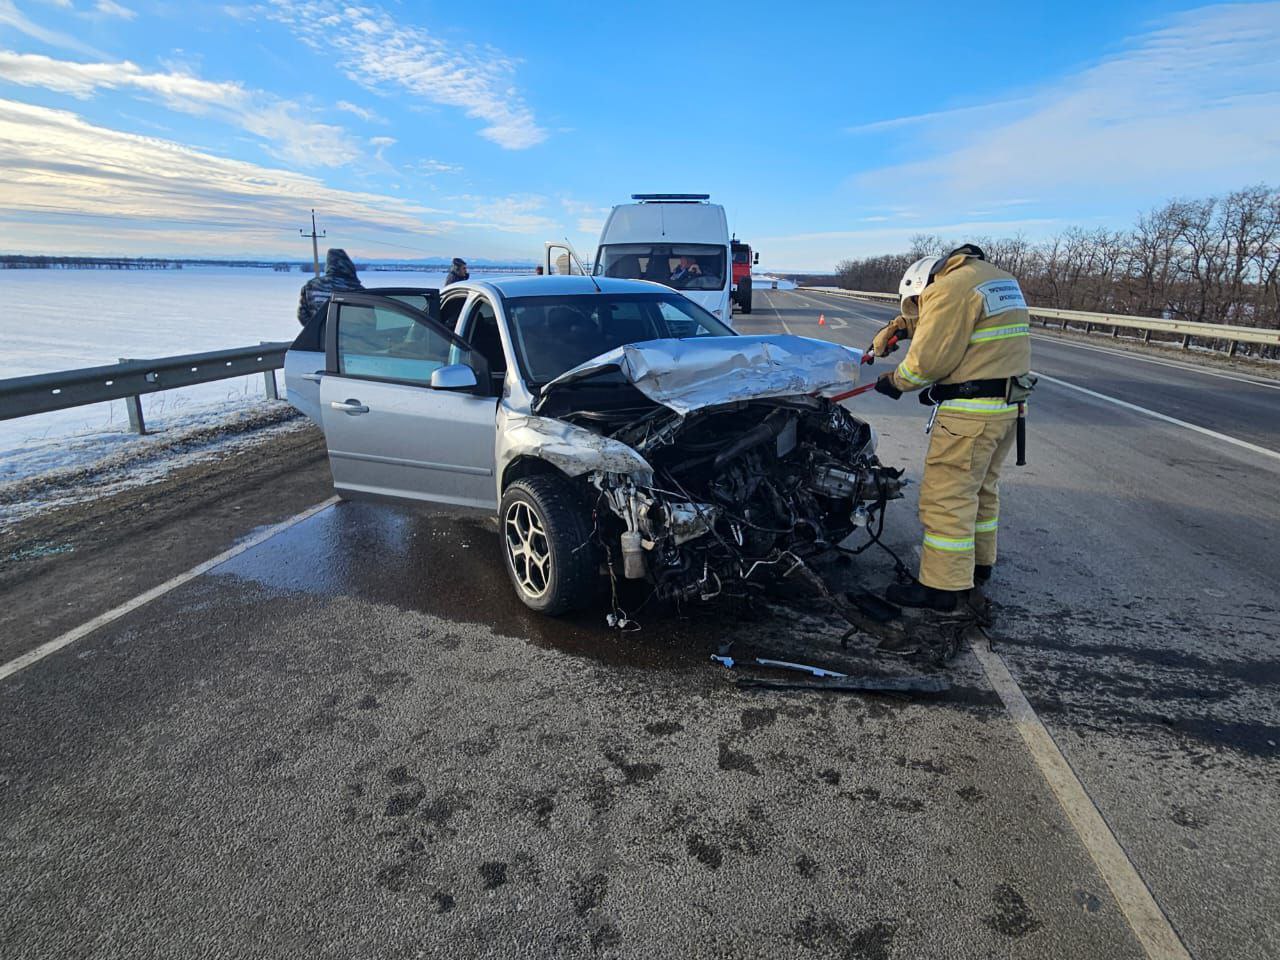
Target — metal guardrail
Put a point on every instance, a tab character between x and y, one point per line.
1188	330
129	380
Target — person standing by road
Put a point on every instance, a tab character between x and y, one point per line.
458	272
970	356
339	274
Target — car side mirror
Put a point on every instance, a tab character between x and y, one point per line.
454	376
755	262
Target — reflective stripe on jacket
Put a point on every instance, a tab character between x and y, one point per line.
973	325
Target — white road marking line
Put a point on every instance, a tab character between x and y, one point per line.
778	315
142	599
845	305
1158	938
1165	417
1177	365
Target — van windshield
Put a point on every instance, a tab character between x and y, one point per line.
682	266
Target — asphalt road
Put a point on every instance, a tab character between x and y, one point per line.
351	740
1139	607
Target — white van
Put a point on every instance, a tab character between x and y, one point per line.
677	239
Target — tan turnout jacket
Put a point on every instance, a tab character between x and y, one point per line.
973	325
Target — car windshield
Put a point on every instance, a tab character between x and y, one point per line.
555	334
683	266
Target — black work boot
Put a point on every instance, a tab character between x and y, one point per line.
916	594
981	574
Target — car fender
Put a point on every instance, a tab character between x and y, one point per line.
573	450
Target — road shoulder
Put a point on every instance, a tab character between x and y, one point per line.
70	563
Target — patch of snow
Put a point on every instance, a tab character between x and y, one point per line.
67	470
57	320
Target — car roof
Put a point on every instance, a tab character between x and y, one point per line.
563	286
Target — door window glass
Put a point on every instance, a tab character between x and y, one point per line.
385	344
450	310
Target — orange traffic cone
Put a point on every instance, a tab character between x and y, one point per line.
822	319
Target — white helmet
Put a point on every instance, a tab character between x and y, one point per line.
917	277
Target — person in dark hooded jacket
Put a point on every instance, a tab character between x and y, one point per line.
339	274
457	272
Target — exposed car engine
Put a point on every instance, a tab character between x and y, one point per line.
739	490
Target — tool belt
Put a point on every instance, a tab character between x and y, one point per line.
1009	389
969	390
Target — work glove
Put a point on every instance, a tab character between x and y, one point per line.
885	385
880	345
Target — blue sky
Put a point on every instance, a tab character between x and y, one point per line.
827	130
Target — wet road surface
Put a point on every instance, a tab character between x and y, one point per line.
299	755
351	740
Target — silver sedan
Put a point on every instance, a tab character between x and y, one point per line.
614	427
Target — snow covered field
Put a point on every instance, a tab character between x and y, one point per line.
62	319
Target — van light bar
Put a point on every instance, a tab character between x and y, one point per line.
642	197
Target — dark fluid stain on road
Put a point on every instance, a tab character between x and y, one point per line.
454	568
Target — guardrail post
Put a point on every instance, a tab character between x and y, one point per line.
1232	351
1186	340
136	423
1146	336
1115	332
133	405
1088	328
269	379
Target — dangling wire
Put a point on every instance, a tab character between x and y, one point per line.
899	568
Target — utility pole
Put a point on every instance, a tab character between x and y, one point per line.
315	248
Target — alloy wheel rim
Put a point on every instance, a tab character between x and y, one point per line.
528	550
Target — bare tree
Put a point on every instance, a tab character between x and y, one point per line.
1214	260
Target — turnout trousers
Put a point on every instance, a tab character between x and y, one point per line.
960	495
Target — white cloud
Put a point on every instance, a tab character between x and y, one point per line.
380	144
377	50
289	136
590	216
109	8
430	168
59	170
514	214
70	186
362	112
11	16
1190	107
879	126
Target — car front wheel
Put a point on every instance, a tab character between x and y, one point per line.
546	536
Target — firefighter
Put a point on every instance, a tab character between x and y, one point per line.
970	356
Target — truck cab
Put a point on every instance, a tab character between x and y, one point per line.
680	240
743	261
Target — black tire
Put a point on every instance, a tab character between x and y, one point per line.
569	580
744	296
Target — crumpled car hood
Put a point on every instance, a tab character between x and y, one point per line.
687	375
